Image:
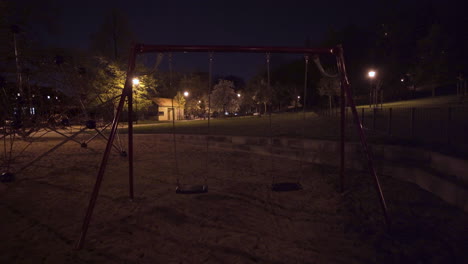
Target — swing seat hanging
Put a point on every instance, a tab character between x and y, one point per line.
191	189
286	187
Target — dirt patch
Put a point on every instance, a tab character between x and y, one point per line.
238	221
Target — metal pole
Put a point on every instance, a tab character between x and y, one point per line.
245	49
342	69
389	121
362	116
19	77
449	120
130	136
381	98
374	111
92	202
413	112
342	143
342	125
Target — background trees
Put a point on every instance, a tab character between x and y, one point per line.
224	98
414	49
329	87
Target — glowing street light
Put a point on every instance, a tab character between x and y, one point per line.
373	93
238	95
136	82
298	97
402	80
186	94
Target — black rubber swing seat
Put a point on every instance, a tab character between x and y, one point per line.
191	189
7	177
286	187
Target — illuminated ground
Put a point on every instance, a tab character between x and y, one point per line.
239	221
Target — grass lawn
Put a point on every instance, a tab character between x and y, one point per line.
285	124
437	101
314	127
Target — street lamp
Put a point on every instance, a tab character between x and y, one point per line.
238	95
372	94
186	94
136	82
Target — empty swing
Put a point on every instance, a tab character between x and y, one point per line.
287	186
182	188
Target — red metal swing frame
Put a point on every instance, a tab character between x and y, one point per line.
127	93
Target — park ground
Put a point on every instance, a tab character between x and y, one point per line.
238	221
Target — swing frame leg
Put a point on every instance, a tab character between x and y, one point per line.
346	90
126	93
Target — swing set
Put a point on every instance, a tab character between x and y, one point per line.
181	188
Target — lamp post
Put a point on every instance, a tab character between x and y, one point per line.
136	82
186	94
297	103
371	75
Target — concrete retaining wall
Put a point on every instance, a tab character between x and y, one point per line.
442	175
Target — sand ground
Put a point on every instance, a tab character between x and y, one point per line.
238	221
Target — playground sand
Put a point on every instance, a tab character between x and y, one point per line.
238	221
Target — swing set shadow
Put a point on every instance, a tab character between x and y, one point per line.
127	94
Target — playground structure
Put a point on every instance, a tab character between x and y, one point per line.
26	115
29	112
127	94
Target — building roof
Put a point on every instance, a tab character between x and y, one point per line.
164	102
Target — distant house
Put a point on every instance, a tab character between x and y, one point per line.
165	109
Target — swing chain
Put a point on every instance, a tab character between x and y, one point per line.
210	72
176	164
270	128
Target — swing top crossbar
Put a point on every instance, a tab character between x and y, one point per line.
142	48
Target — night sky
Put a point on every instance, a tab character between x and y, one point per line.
270	23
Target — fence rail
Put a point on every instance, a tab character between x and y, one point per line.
436	126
